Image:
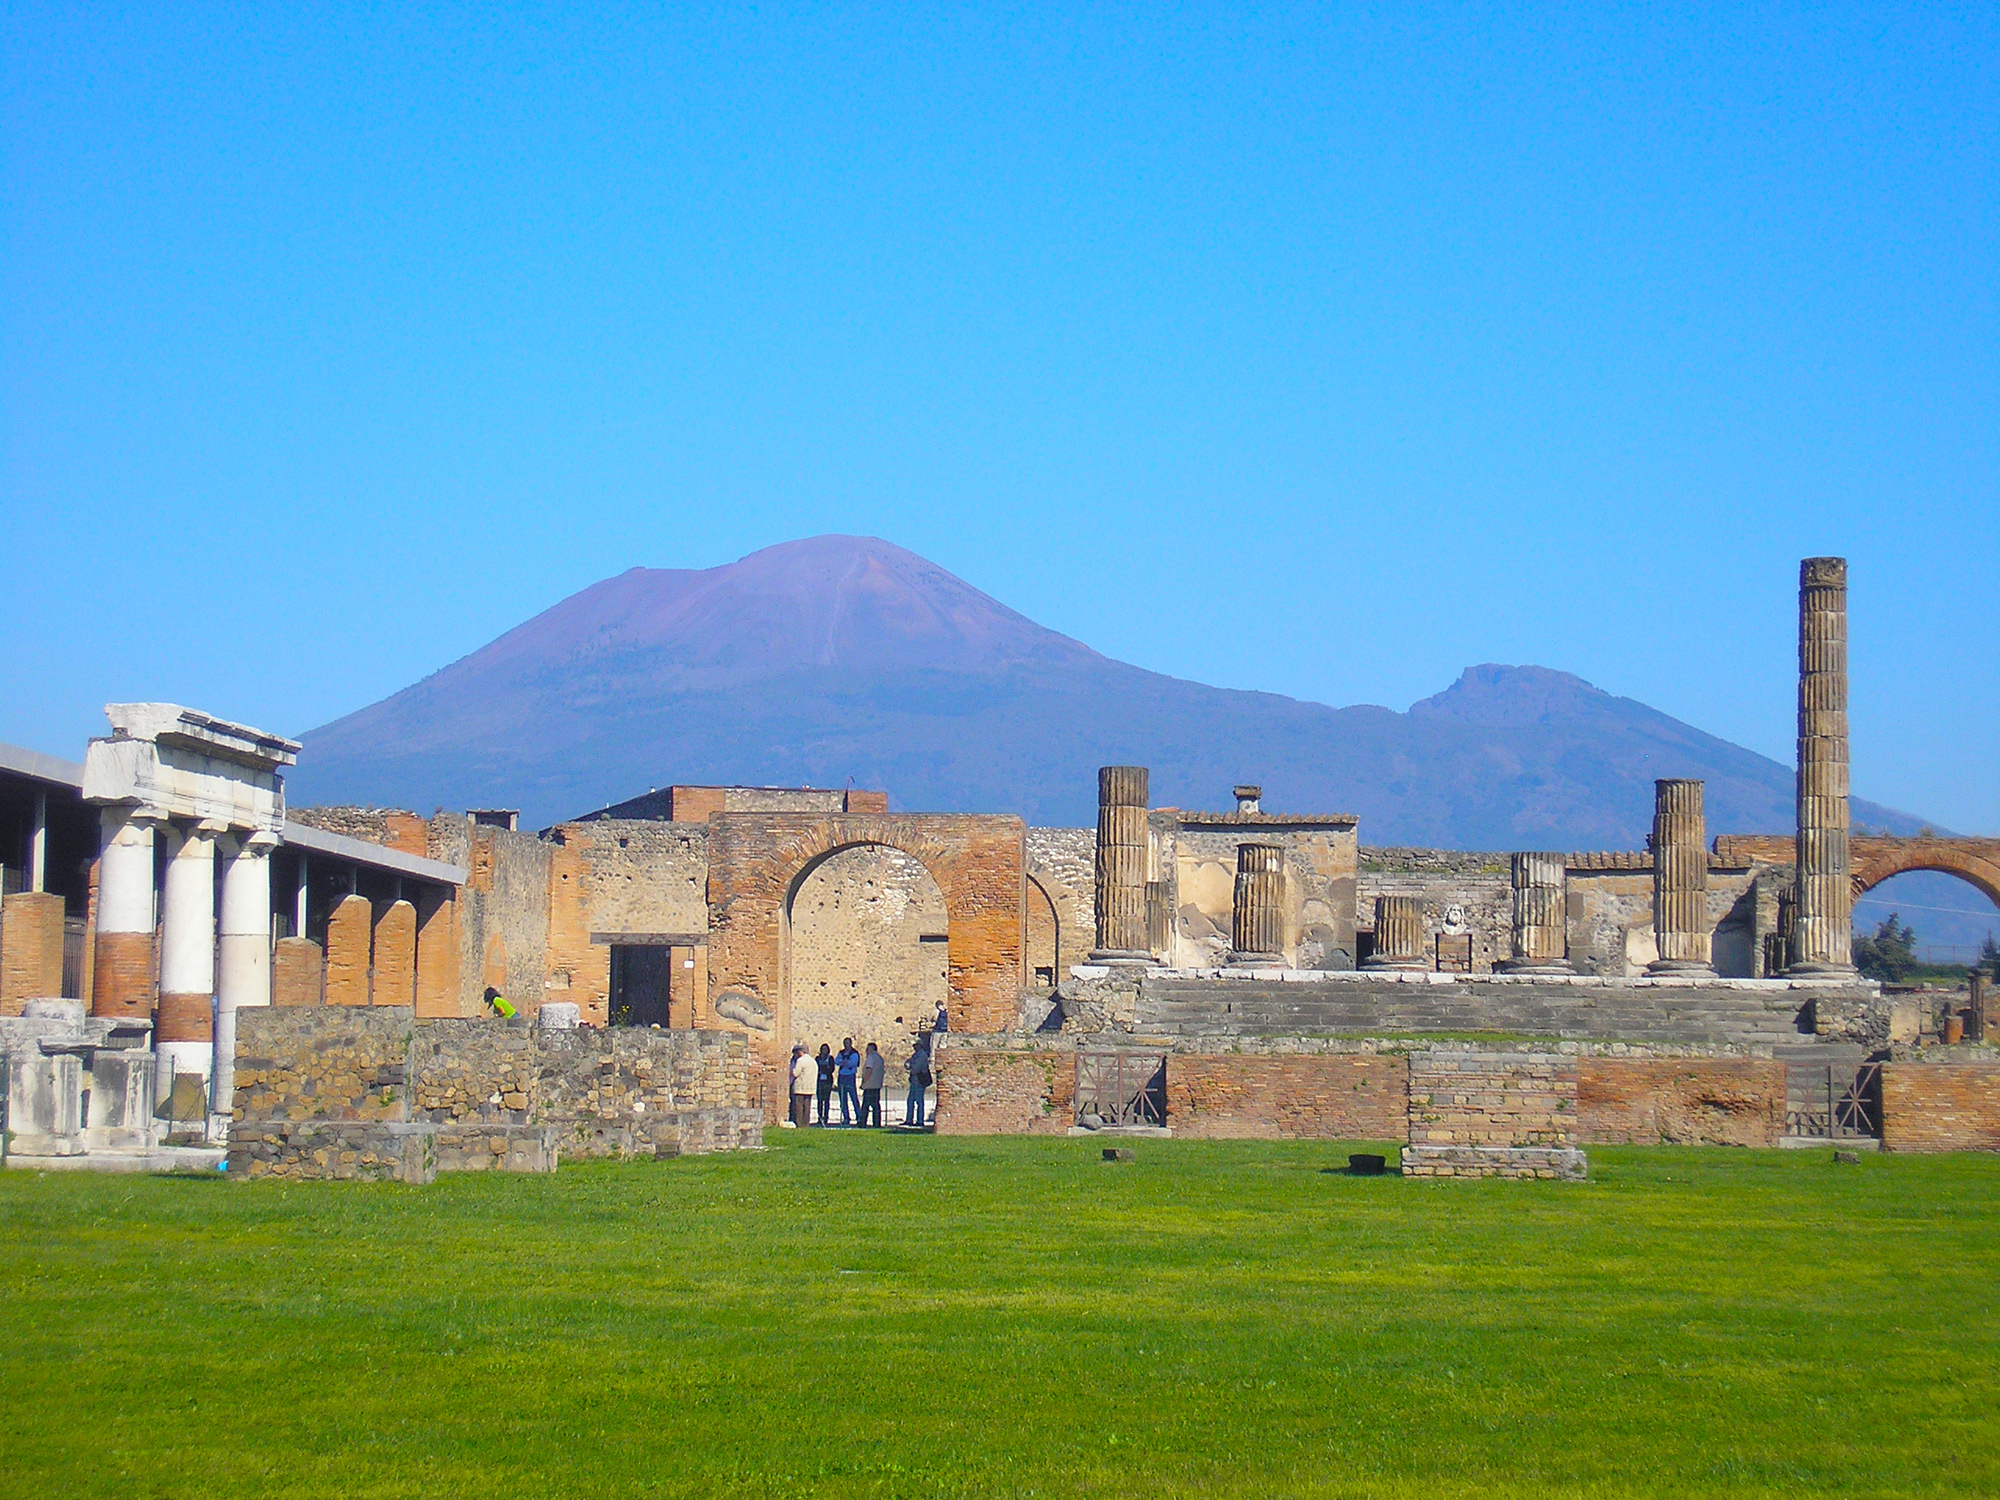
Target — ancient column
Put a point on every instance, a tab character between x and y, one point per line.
185	1035
244	977
1399	935
1257	916
1680	879
1541	915
1121	866
349	952
122	973
395	981
1823	938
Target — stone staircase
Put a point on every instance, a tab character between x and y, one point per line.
1708	1015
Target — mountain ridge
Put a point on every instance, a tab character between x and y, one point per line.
836	658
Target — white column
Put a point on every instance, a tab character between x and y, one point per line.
125	873
245	975
123	982
299	897
38	844
187	954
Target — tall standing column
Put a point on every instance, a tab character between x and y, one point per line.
1823	937
1121	866
1257	915
245	977
1399	934
185	1035
1541	915
1680	879
122	972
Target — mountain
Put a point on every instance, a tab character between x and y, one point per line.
837	658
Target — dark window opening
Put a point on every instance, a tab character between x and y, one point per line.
640	984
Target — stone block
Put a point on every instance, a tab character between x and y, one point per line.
121	1100
45	1103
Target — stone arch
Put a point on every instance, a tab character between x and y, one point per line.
756	859
865	937
1975	861
1075	920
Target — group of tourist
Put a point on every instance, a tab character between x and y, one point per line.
858	1079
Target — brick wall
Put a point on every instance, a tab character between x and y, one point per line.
503	911
1952	1106
31	949
298	973
1321	1094
1681	1101
1004	1093
1329	1096
1493	1099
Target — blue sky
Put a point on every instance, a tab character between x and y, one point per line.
1323	350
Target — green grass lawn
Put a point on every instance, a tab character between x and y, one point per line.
861	1315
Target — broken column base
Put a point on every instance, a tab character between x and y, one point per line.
1558	1163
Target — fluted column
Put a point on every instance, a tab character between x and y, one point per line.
1823	938
1399	934
122	969
1121	866
185	1033
1541	915
244	979
1257	916
1680	879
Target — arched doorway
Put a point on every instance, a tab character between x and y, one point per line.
1952	913
868	950
1043	958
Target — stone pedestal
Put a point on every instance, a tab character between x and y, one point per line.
44	1103
1399	935
1823	940
121	1100
1680	879
1257	915
1122	796
1541	915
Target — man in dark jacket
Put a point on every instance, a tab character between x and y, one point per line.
919	1069
824	1062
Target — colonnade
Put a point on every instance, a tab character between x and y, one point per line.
202	982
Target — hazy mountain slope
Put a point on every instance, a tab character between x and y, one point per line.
836	658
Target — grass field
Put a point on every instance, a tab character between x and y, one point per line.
859	1315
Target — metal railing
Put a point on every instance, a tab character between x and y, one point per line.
1833	1103
1122	1088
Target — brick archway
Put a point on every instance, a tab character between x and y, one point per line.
756	862
1975	861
